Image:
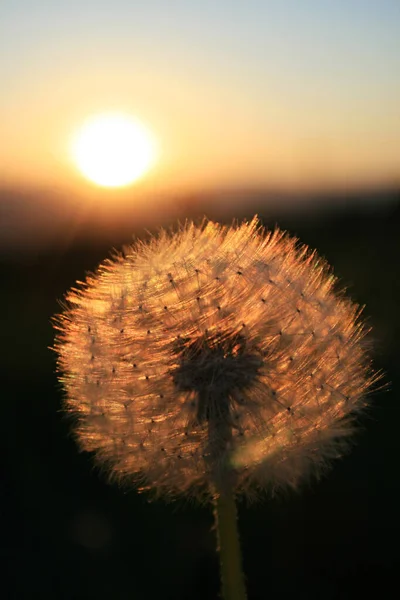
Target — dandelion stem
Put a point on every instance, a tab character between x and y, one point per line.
232	580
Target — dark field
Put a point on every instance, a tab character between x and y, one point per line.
69	535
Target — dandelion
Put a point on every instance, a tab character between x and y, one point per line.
213	362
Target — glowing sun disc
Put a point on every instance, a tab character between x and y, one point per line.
113	150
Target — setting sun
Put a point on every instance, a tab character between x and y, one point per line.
113	150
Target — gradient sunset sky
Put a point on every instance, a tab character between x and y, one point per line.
287	92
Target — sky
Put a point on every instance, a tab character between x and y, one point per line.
257	93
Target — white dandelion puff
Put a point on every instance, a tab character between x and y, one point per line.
215	355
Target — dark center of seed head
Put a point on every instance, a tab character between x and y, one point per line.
217	368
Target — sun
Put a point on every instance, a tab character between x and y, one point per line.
113	149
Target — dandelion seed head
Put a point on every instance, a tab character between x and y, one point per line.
210	355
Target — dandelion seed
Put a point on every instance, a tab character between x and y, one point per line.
216	355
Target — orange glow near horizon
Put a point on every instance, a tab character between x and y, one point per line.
202	148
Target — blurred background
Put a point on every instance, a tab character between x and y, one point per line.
284	109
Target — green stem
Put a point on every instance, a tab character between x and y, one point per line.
232	579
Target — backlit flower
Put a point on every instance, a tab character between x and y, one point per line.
215	355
